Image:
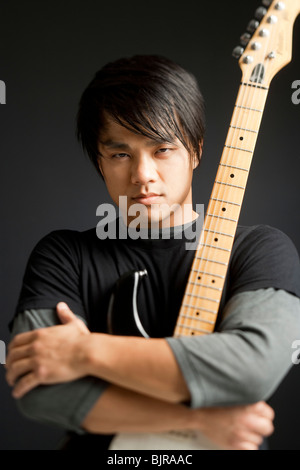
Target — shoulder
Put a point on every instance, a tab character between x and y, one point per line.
262	237
263	257
66	239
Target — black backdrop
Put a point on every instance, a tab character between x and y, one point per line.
49	51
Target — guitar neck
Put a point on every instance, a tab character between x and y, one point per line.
204	289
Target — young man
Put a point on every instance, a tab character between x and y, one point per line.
141	121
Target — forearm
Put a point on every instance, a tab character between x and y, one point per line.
123	411
120	410
242	363
145	366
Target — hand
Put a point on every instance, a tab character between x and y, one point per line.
237	427
47	355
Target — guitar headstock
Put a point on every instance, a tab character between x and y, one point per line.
267	45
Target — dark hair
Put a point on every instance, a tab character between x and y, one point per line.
147	94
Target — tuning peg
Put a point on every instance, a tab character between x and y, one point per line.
245	38
237	52
252	26
267	3
260	13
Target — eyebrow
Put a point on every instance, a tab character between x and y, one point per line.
109	143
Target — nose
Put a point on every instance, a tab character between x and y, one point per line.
143	170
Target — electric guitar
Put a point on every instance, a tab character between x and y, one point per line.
266	48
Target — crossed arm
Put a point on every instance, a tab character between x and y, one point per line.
147	390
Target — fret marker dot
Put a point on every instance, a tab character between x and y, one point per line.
193	334
213	282
241	138
224	209
216	239
199	278
232	176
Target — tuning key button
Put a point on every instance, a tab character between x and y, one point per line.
256	46
237	52
248	59
272	19
264	33
280	6
245	38
260	13
252	26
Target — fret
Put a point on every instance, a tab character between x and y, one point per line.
202	309
204	285
211	261
189	317
200	330
219	233
234	167
207	273
225	202
204	245
231	185
244	129
222	218
237	148
249	109
202	297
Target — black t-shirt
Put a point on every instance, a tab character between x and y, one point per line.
81	270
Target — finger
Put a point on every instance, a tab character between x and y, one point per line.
21	339
247	445
265	410
17	353
260	425
65	314
25	384
18	369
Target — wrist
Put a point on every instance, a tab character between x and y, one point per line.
85	354
197	419
93	353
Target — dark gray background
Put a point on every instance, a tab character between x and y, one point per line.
49	52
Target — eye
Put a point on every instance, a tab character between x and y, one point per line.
164	150
119	156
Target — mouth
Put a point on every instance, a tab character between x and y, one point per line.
146	199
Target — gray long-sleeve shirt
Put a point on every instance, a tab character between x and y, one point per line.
242	362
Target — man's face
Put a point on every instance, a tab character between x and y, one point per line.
156	175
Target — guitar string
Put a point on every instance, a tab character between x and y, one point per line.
228	156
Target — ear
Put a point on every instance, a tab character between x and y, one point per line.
100	166
196	159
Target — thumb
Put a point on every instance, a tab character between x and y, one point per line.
64	313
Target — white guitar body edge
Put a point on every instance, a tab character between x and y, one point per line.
162	441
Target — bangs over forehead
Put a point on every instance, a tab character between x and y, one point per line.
149	95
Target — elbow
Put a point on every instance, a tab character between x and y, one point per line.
259	384
30	407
